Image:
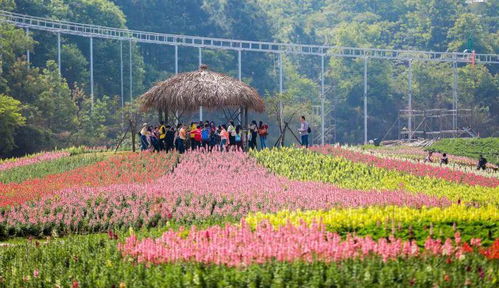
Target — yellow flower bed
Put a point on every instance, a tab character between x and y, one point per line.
362	217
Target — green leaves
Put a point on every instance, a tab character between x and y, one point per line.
10	118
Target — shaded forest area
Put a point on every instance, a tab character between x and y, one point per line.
41	109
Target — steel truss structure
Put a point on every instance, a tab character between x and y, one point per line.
436	123
322	51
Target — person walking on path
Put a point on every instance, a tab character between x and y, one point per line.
263	131
304	132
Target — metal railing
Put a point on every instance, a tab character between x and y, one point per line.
96	31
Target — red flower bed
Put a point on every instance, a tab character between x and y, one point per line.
493	251
418	169
125	168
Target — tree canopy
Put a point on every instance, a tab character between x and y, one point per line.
56	106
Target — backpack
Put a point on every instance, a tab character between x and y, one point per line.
309	130
205	134
263	131
238	137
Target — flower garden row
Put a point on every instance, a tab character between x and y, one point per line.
86	204
241	246
95	261
334	228
46	168
223	188
417	169
37	158
310	166
418	154
404	222
127	168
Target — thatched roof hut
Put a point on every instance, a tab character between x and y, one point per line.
185	92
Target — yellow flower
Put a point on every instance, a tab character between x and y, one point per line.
361	217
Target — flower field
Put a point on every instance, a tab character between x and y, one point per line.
240	246
405	222
12	163
417	154
131	168
45	168
274	218
417	169
309	166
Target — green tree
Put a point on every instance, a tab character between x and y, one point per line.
478	90
468	30
347	77
56	110
7	5
14	43
10	119
75	66
46	95
97	126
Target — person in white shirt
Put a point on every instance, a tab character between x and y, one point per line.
231	129
304	131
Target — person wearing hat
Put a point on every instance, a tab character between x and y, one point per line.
143	137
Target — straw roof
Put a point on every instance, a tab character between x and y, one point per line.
188	91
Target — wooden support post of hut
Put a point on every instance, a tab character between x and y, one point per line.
160	115
246	127
185	92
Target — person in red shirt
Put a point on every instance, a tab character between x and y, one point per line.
263	131
197	137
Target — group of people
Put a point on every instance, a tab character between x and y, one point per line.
444	160
201	134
